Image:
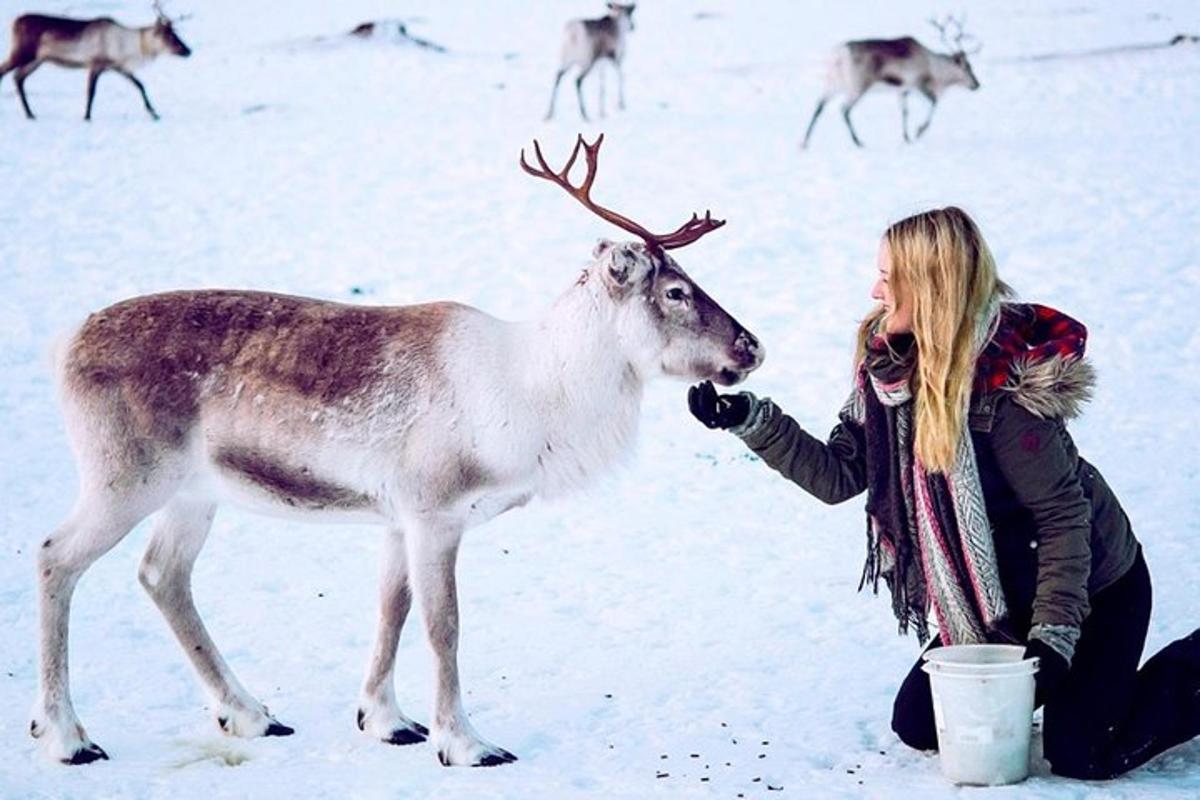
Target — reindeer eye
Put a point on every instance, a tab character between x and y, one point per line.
675	294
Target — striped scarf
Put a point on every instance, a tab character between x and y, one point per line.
928	534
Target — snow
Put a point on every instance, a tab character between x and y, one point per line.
693	599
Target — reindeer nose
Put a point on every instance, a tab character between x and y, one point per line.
747	345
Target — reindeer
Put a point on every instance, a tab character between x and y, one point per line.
427	419
903	64
587	41
99	44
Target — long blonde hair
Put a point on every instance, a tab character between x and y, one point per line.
942	267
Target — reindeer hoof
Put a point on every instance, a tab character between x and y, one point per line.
409	733
86	755
278	729
496	759
403	736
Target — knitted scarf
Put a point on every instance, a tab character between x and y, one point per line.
928	534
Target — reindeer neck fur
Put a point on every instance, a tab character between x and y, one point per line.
944	71
149	45
582	384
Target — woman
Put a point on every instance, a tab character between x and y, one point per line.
979	508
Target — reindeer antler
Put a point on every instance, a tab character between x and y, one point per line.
162	15
960	35
685	234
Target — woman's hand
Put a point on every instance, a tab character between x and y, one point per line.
1052	669
717	410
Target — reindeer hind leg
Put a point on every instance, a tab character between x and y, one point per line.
166	574
102	517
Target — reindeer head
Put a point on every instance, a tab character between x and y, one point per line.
164	34
623	14
957	41
665	323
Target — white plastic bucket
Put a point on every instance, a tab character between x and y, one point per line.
983	707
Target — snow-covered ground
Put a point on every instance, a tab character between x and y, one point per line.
693	603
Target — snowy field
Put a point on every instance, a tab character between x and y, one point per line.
693	603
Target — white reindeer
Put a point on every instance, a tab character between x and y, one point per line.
428	419
587	41
903	64
98	44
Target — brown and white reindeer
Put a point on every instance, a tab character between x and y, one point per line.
98	44
588	41
427	419
902	64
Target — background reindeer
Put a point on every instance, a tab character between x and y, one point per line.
903	64
428	419
587	41
98	44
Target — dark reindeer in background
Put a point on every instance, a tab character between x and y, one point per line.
903	64
98	44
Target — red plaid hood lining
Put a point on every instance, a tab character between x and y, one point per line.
1027	334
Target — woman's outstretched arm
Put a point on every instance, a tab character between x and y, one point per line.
832	471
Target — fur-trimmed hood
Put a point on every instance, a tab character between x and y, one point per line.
1037	355
1056	387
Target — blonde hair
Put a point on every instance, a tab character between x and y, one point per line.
942	267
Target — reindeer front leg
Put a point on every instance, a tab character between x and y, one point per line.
378	712
932	98
93	76
145	98
433	551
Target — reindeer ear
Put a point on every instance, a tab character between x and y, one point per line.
620	265
602	247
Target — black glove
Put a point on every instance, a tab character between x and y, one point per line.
1052	670
717	410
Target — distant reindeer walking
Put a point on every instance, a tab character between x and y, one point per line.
903	64
428	419
97	44
587	41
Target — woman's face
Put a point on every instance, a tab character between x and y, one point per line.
899	313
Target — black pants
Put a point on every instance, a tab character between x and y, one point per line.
1108	717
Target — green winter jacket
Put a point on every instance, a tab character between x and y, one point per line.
1060	534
